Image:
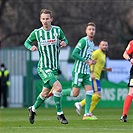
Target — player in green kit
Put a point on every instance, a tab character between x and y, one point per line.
49	38
96	70
81	69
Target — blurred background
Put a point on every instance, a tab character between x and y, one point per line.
114	22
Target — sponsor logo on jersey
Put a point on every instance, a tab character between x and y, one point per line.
48	42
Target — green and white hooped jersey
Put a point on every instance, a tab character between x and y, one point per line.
48	46
86	48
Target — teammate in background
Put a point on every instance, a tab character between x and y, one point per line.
50	38
95	73
128	55
81	69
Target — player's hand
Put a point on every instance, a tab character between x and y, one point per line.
88	62
92	76
109	69
91	62
62	44
33	48
94	61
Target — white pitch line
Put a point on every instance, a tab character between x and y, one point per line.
52	128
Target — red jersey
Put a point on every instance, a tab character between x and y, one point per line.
129	49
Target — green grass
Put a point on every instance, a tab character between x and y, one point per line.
15	120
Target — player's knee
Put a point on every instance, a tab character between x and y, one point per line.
57	86
44	92
57	94
89	92
43	95
131	93
96	97
75	94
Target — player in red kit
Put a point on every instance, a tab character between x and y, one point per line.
128	55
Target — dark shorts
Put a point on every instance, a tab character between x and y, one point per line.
130	84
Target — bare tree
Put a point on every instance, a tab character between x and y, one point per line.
112	18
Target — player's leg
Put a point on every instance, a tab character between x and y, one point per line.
82	103
66	92
45	76
127	104
77	80
97	94
76	84
70	92
5	89
95	99
89	92
57	93
51	91
1	93
79	105
40	99
57	88
128	99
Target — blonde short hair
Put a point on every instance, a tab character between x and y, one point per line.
46	11
92	24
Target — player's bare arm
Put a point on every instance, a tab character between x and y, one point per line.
92	75
107	69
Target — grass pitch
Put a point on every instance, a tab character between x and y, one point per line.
15	120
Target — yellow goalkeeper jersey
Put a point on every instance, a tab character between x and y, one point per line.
98	67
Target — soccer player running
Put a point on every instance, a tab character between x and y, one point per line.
95	73
81	69
128	55
49	38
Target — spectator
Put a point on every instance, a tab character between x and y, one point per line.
4	84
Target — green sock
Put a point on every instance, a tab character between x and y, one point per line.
38	102
58	101
88	103
66	92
